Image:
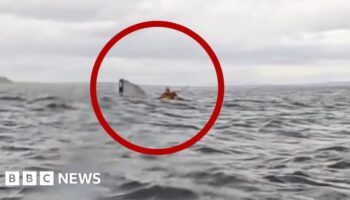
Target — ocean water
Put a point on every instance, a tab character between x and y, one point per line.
270	142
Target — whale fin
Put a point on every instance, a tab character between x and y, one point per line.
128	89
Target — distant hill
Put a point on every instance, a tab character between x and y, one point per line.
4	80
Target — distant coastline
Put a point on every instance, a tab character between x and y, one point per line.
4	80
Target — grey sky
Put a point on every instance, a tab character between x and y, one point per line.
257	42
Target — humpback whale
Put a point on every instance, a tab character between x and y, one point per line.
128	89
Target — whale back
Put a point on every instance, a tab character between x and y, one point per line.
128	89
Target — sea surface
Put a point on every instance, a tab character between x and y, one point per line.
269	143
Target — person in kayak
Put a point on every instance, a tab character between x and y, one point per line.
168	94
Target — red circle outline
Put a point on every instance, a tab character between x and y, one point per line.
121	140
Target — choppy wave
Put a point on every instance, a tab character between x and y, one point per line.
268	143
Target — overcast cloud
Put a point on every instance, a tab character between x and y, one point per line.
257	42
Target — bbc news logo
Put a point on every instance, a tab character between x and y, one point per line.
49	178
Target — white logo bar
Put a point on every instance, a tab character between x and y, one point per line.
47	178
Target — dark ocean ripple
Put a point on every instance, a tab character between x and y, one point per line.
290	142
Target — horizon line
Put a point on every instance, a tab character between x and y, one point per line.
227	85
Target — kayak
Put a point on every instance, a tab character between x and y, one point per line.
167	100
170	100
